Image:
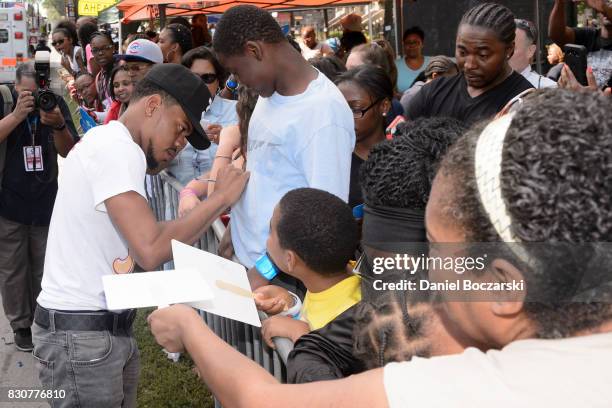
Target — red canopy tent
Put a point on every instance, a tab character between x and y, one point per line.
135	10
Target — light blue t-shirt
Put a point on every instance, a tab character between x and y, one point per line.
295	141
405	75
190	162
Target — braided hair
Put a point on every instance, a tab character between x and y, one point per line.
494	17
384	331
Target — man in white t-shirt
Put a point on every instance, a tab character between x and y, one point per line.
311	48
102	225
301	133
525	47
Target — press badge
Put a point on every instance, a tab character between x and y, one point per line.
32	157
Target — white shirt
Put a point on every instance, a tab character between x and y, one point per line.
83	244
296	141
537	80
567	373
318	51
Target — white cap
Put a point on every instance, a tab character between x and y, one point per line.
142	50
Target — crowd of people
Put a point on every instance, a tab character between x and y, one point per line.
325	156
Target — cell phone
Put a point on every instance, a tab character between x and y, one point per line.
576	59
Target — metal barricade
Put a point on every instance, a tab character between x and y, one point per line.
163	195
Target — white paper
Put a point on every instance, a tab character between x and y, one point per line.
213	268
147	289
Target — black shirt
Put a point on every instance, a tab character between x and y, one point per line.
28	197
449	97
326	353
355	195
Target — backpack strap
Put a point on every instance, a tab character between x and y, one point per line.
6	106
7	99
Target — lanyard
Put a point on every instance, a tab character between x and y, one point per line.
33	123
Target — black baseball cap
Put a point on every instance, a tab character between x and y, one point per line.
189	91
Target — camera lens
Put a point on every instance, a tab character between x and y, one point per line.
47	100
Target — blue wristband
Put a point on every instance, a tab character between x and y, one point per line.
266	267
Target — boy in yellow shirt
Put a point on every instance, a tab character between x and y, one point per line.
313	235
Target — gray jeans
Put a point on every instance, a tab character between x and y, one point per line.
94	368
22	255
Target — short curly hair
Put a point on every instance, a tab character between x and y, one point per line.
319	227
555	181
399	172
245	23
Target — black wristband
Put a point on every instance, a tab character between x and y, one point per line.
60	128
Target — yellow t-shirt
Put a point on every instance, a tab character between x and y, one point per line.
321	308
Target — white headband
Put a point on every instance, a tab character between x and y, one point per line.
488	163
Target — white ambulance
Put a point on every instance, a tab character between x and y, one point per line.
14	39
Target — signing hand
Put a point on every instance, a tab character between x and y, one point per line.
272	299
25	105
230	182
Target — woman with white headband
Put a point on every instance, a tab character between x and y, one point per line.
532	181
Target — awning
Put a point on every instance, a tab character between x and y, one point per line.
142	10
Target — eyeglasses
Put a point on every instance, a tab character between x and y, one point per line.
101	50
209	78
58	42
360	113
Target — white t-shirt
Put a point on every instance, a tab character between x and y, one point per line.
83	244
318	51
538	81
567	373
296	141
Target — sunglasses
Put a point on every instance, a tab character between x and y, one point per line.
208	78
58	42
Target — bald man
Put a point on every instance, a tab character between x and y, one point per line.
309	45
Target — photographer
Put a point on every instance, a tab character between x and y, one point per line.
28	175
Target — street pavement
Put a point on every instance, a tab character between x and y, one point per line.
17	369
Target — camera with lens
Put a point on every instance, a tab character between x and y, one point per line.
44	98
